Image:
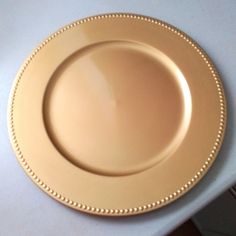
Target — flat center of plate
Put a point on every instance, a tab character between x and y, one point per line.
117	108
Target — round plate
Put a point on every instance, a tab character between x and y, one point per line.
117	114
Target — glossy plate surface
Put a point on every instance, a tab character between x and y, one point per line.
117	114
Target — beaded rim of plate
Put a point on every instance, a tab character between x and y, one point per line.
139	209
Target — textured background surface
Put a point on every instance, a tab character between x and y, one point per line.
219	217
25	210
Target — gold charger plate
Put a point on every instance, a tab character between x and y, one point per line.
117	114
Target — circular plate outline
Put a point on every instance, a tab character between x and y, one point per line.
139	209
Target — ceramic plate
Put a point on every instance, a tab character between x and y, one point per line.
117	114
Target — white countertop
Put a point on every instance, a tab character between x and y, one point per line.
25	210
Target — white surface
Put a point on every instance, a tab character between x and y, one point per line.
26	210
